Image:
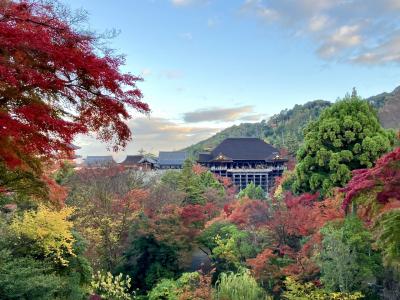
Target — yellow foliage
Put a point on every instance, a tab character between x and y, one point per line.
308	291
48	231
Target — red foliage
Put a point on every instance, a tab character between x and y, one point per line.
260	265
54	85
384	177
197	214
248	213
57	193
198	169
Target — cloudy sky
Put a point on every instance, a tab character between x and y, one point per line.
208	64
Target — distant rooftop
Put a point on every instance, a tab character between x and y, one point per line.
99	160
240	149
138	159
172	157
132	159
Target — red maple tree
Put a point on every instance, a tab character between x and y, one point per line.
54	84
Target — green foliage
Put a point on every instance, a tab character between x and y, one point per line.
22	183
230	247
65	172
171	179
147	261
387	232
168	289
111	287
347	261
239	286
252	191
188	183
25	278
30	274
308	291
345	137
228	242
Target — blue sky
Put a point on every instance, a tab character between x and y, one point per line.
208	64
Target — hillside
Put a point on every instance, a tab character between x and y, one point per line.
281	129
286	127
388	105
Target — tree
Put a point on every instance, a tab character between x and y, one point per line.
26	278
308	291
55	85
347	261
376	193
111	287
252	191
347	136
44	233
147	261
231	286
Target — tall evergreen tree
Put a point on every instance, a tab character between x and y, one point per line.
345	137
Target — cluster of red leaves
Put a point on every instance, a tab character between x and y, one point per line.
198	214
54	85
384	177
294	218
57	193
247	213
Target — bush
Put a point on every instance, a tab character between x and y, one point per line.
111	287
239	286
308	291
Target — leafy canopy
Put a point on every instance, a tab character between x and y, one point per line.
55	84
345	137
45	233
252	191
347	261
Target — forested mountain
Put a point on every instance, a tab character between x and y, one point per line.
388	105
281	129
286	127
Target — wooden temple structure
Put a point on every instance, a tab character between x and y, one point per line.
245	160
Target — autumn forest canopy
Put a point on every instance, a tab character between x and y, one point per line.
328	229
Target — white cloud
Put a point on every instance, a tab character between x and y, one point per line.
187	2
146	72
152	134
181	2
186	36
318	23
172	74
222	114
346	30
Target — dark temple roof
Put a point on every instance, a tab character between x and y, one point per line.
99	160
171	157
138	159
132	159
241	149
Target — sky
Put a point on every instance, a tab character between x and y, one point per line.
210	64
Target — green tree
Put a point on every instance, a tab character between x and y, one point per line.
239	286
25	278
147	261
252	191
347	261
189	184
168	289
345	137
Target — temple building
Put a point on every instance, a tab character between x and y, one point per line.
171	159
139	162
245	160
